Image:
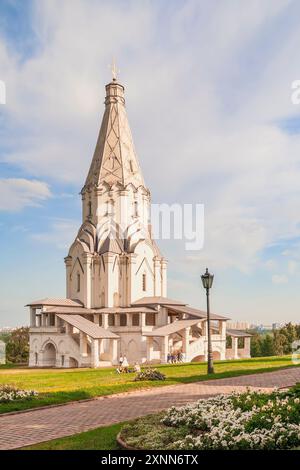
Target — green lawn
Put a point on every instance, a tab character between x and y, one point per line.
62	385
97	439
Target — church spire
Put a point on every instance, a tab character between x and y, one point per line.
115	159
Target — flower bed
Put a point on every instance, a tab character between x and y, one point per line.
9	393
245	421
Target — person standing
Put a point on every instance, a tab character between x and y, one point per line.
125	364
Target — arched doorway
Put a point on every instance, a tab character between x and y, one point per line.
200	358
49	359
216	356
73	362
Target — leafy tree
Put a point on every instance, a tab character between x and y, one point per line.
4	336
255	345
267	346
280	343
17	347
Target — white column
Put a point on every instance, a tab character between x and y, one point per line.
87	282
109	284
157	277
247	350
186	343
129	319
143	320
95	353
68	263
149	348
222	328
165	349
123	283
32	317
113	351
131	277
164	277
235	347
44	319
105	320
83	344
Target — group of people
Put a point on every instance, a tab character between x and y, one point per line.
175	357
125	368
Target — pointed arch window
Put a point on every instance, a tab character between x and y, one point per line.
110	207
78	282
144	282
136	209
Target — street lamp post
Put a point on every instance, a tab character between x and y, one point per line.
207	281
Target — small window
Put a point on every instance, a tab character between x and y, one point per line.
90	209
131	166
78	282
52	319
100	320
62	360
144	283
150	319
111	319
136	208
136	319
123	319
36	358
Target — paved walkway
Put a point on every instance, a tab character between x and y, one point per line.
42	425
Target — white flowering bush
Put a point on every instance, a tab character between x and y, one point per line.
9	393
245	421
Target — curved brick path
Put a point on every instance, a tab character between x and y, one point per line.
42	425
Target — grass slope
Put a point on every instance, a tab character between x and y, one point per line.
57	386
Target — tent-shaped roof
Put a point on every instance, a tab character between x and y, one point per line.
194	312
171	328
156	301
55	302
88	327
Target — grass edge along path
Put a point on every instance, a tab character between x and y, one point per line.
63	397
103	438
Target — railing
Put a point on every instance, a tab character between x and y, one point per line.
196	348
43	329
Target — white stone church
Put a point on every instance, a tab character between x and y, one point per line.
116	301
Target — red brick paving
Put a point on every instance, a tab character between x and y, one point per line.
42	425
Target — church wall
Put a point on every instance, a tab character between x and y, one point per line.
65	348
75	274
144	267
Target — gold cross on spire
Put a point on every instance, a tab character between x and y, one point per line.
114	70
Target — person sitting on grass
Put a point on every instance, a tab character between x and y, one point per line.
137	368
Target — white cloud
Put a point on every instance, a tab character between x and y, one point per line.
280	279
61	233
17	193
206	83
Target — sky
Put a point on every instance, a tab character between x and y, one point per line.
208	93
